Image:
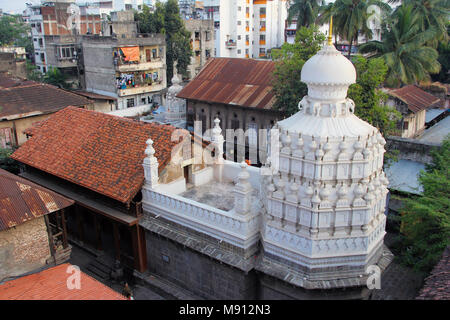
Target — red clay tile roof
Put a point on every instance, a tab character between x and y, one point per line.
22	200
36	98
51	284
242	82
95	150
437	284
415	98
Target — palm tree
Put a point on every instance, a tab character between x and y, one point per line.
403	49
350	18
432	13
305	11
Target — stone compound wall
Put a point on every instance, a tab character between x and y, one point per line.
23	248
411	149
198	273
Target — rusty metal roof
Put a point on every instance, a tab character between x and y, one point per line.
415	98
241	82
22	200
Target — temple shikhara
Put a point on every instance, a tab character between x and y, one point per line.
309	224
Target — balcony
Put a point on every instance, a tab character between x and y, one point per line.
262	42
139	89
230	44
141	66
247	43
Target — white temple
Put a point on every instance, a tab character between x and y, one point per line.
316	220
325	206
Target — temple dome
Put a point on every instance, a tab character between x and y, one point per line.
328	67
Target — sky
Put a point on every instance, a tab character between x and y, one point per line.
15	6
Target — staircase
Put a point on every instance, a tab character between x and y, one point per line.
100	268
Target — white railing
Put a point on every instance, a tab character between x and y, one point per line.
239	230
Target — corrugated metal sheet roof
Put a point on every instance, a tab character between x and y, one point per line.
22	200
415	98
242	82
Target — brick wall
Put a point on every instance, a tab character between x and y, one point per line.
23	248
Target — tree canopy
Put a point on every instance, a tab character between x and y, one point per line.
14	32
166	19
426	219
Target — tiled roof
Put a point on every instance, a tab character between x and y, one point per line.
36	98
437	284
415	98
93	95
22	200
242	82
8	81
95	150
51	284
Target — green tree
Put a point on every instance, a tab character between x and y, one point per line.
403	49
369	100
55	77
7	163
426	219
32	72
304	11
431	14
350	18
289	60
166	19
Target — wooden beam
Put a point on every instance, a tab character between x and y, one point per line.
116	235
98	232
138	248
64	228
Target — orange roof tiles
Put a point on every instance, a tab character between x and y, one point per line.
415	98
51	284
22	200
242	82
98	151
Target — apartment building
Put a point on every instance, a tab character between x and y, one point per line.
131	69
247	28
55	27
202	43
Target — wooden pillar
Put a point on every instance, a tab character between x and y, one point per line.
116	235
79	217
98	232
64	228
138	240
50	237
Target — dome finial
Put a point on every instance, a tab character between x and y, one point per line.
330	32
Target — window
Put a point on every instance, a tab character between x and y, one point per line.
197	35
239	8
262	11
247	37
239	23
66	52
44	69
262	37
143	100
41	42
239	37
405	125
35	39
207	53
128	7
207	35
246	51
262	25
130	103
262	51
43	58
154	53
197	53
239	51
33	25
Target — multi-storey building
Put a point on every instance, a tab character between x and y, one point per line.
55	27
247	28
131	69
202	43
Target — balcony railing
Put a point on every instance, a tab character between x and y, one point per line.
227	225
230	44
156	63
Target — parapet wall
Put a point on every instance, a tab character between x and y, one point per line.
411	149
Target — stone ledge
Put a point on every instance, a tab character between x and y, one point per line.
284	272
198	242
